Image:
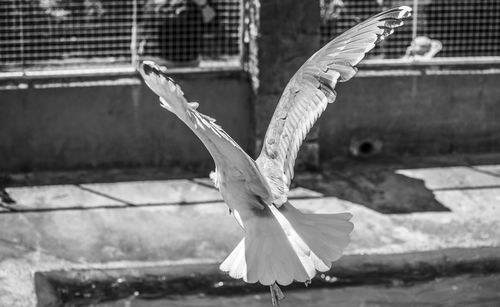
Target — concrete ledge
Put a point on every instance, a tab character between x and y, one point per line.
94	285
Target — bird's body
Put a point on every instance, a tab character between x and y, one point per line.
281	244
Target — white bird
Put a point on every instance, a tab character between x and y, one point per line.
281	244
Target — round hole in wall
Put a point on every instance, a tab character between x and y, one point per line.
366	148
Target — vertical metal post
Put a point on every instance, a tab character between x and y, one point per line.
19	12
415	19
133	38
241	30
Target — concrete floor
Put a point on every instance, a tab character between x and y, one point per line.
163	222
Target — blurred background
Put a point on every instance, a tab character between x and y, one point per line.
104	199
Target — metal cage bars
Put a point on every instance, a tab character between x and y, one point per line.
72	34
41	35
440	31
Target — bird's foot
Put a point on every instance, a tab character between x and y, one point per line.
276	294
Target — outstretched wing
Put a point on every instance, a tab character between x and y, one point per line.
229	157
311	89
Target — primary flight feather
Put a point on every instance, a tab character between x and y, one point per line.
281	244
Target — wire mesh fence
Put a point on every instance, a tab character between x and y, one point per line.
438	28
38	34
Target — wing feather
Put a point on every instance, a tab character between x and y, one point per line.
227	154
311	89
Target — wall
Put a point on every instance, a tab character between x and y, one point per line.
121	125
415	113
115	123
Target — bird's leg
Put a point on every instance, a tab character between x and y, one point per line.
276	294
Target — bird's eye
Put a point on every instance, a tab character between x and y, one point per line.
147	68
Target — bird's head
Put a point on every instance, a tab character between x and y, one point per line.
155	76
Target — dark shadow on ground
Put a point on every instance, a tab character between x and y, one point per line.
381	190
375	183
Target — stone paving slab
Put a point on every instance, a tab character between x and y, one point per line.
486	201
297	192
156	192
56	197
451	177
492	169
150	233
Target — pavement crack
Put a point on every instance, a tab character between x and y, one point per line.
211	186
104	195
481	187
472	167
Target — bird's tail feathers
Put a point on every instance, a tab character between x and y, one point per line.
286	245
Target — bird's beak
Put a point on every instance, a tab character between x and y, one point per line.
146	68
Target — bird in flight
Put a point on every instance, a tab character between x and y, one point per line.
281	244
